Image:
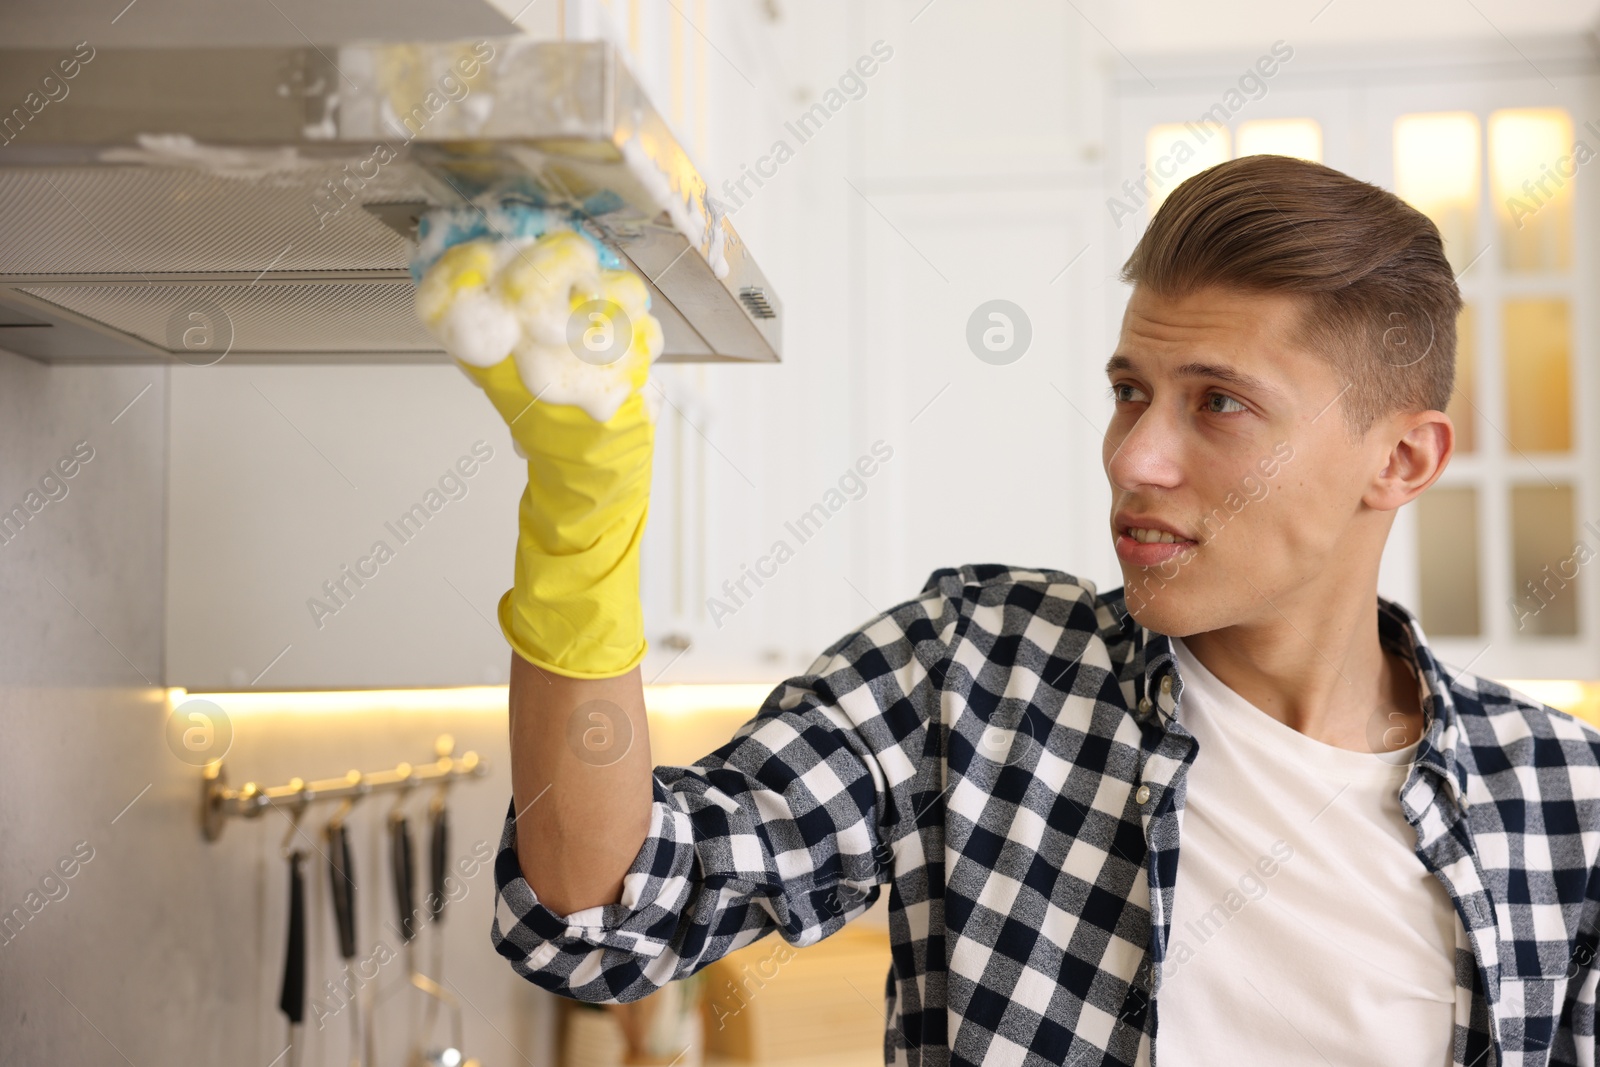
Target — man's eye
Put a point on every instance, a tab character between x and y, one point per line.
1225	398
1116	391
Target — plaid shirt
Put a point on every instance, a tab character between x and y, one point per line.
1004	753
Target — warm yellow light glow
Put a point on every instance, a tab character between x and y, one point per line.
1580	699
1536	336
1462	408
1300	138
670	700
1176	151
1523	143
1437	170
1555	692
478	698
1531	169
688	699
1436	159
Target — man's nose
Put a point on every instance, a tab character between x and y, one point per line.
1148	453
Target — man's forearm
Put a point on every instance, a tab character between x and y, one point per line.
580	750
581	779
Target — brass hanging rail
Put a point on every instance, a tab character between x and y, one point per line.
218	802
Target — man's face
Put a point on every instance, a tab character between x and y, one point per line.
1231	435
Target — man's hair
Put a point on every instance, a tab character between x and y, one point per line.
1379	298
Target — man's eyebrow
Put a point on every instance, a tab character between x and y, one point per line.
1118	362
1195	369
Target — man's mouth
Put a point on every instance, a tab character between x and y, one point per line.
1151	535
1147	545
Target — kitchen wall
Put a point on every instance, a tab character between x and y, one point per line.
283	478
160	947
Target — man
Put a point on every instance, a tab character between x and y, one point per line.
1234	811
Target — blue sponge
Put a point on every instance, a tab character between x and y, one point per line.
443	228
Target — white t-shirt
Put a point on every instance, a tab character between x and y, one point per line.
1304	927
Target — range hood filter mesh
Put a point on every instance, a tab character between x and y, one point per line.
153	220
202	323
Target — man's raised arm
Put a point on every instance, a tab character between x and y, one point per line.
563	347
615	877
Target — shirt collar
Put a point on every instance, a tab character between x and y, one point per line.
1443	749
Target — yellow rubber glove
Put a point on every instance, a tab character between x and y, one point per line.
582	424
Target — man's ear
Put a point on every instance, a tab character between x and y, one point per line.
1421	444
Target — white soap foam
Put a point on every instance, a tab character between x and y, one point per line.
478	328
544	281
556	376
481	325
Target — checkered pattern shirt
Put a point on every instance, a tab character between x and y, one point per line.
1004	753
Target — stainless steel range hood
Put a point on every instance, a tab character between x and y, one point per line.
259	204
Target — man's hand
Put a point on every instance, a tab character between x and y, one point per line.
562	348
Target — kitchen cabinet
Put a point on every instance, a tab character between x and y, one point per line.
298	556
791	501
897	234
1488	143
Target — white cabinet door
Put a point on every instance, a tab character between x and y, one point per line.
987	381
804	498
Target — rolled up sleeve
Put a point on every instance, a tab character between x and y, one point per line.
789	827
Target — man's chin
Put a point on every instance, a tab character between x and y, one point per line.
1154	619
1167	610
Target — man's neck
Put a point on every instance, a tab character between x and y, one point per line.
1323	673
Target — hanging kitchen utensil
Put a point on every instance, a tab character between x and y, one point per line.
341	886
438	854
342	892
292	997
292	1000
402	870
402	866
437	866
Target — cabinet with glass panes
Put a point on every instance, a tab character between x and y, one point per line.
1500	558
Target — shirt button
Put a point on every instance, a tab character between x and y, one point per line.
1144	705
1142	795
1166	683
